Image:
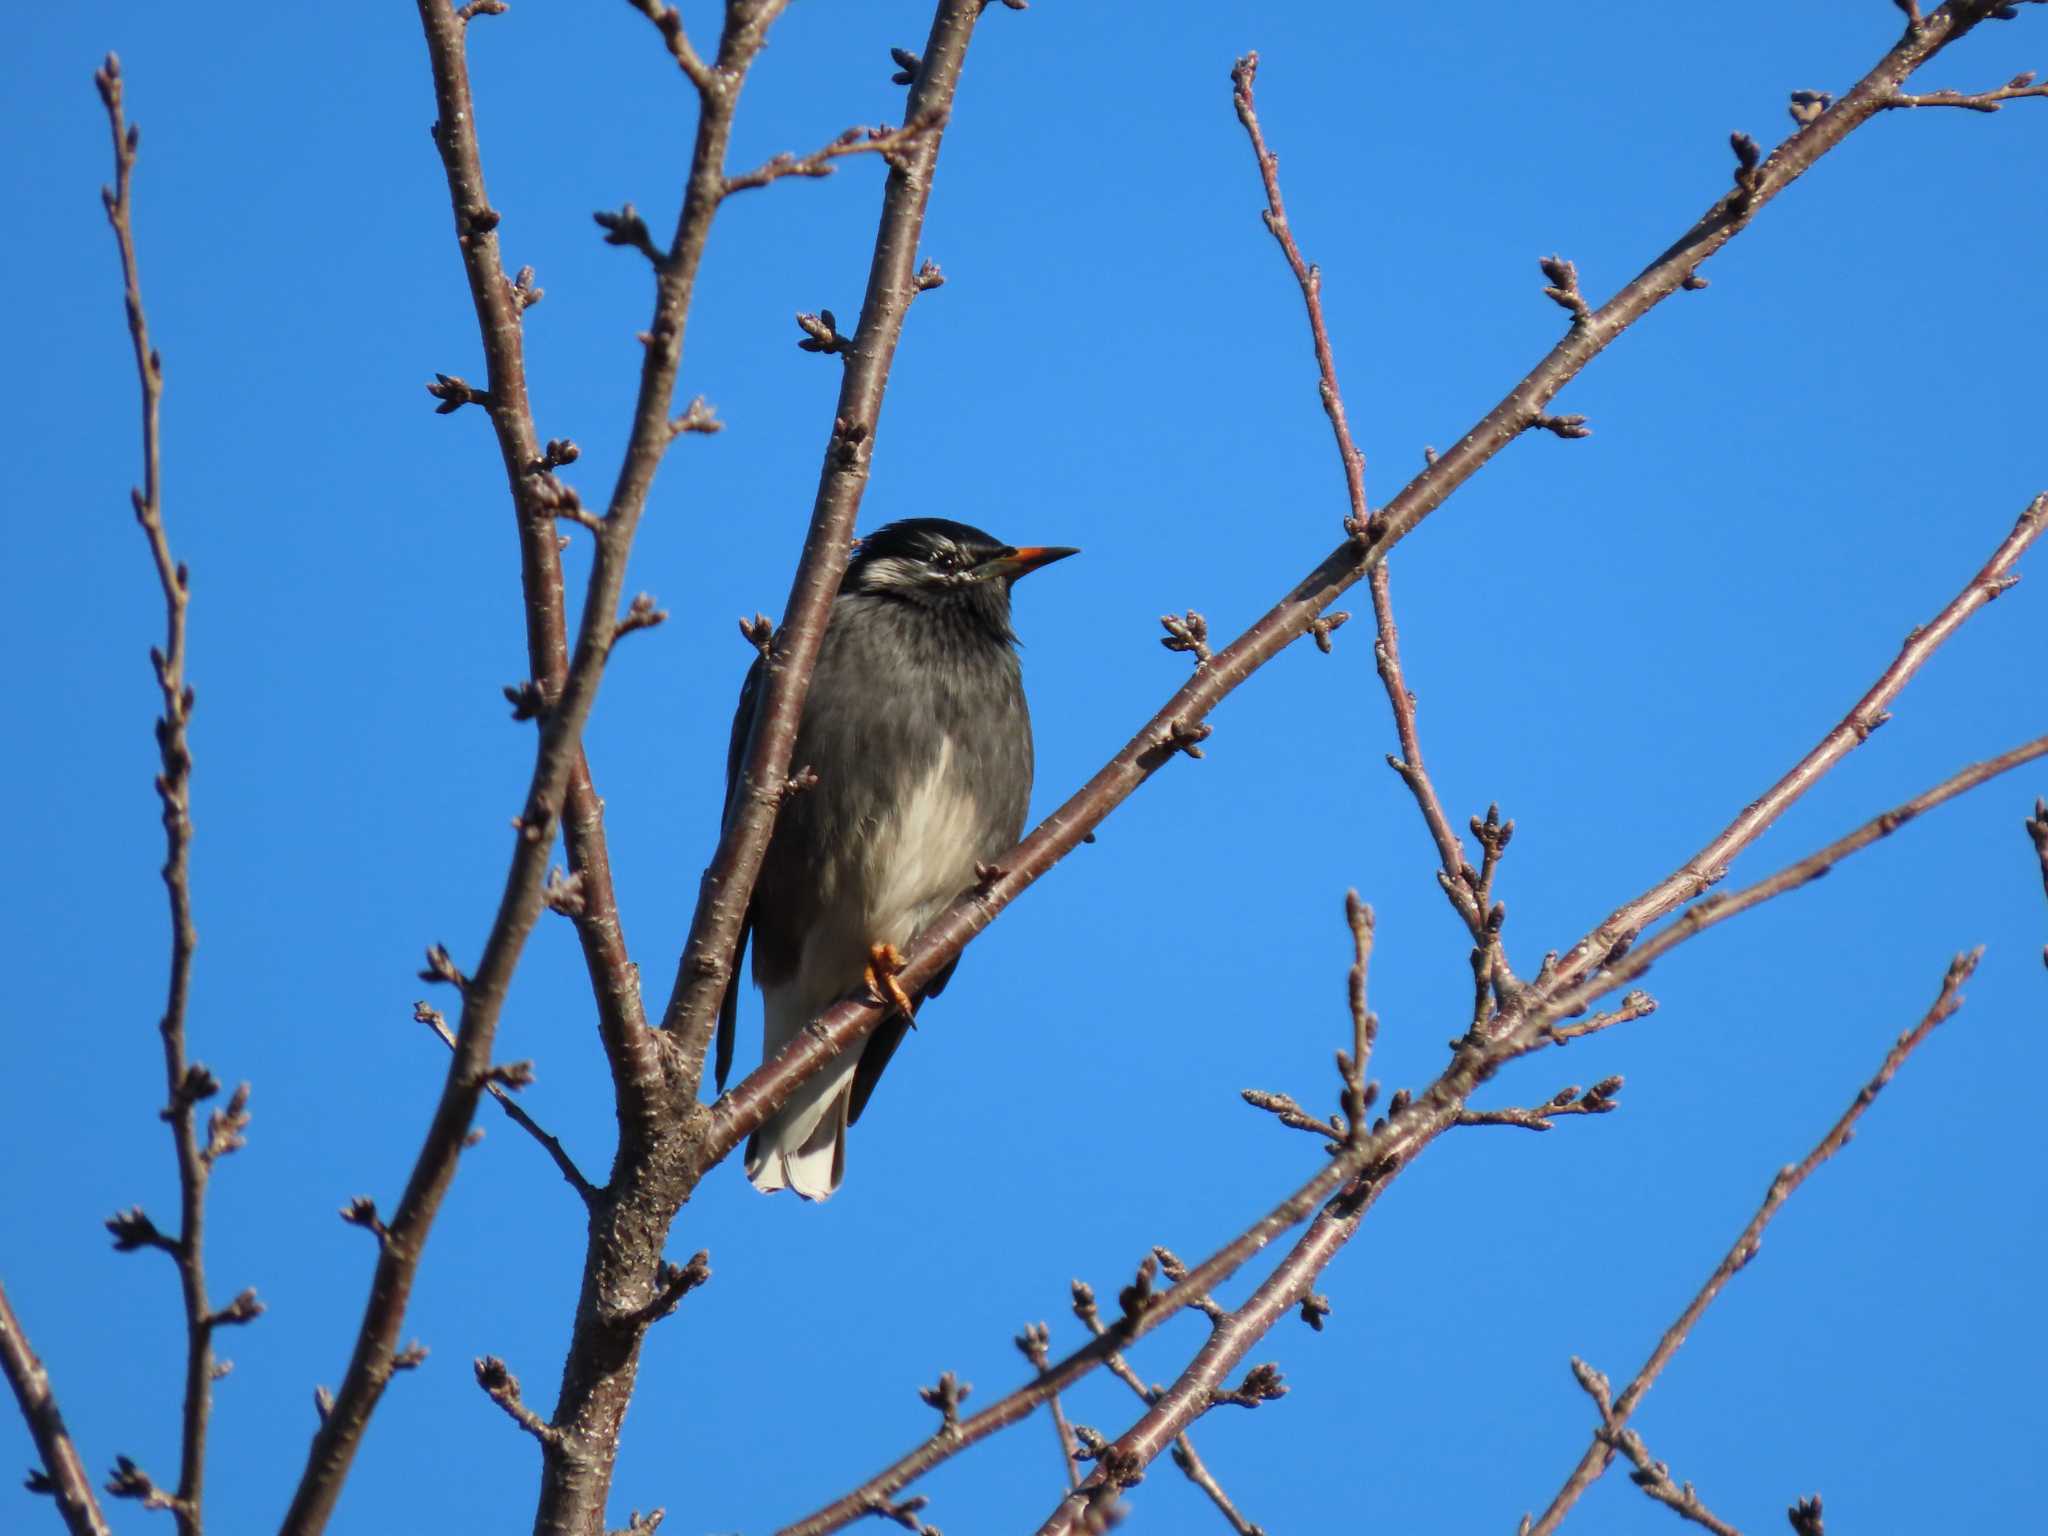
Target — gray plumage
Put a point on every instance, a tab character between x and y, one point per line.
916	727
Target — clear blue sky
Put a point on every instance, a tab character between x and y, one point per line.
1622	640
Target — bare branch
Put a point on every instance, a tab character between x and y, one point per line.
502	1387
627	228
1184	1454
1311	280
1636	1005
1710	865
1614	1418
2018	88
1596	1100
1718	909
1463	893
1034	1344
1564	287
669	22
1189	633
186	1083
514	1111
672	1282
889	143
1654	1478
63	1475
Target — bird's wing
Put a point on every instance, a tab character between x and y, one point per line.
728	1008
874	1056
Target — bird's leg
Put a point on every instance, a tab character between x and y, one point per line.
885	962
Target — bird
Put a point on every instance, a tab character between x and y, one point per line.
917	732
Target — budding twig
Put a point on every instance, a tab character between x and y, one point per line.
1614	1416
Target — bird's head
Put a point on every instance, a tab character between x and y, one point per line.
941	564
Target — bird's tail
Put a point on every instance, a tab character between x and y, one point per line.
802	1146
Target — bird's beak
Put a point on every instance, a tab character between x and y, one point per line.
1025	560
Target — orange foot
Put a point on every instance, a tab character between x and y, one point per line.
885	961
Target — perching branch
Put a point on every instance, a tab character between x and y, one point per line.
661	1159
706	966
1615	1417
186	1083
63	1475
744	1108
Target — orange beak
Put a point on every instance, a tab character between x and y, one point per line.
1023	561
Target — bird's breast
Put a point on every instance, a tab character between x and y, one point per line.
923	849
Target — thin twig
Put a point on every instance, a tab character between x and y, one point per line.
1654	1478
1710	865
187	1084
1311	280
1035	1344
1409	765
669	22
1596	1100
502	1388
886	142
63	1475
2016	89
434	1020
1184	1455
1615	1417
1718	909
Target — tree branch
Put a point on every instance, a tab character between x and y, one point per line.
1185	1456
889	143
1710	865
1361	1170
1654	1478
63	1475
565	1164
2015	89
623	1271
1311	280
553	797
1718	909
186	1083
1614	1418
706	965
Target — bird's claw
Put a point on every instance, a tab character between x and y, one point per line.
885	963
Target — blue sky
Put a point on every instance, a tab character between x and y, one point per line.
1622	640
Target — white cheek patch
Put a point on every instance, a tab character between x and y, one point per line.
924	855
